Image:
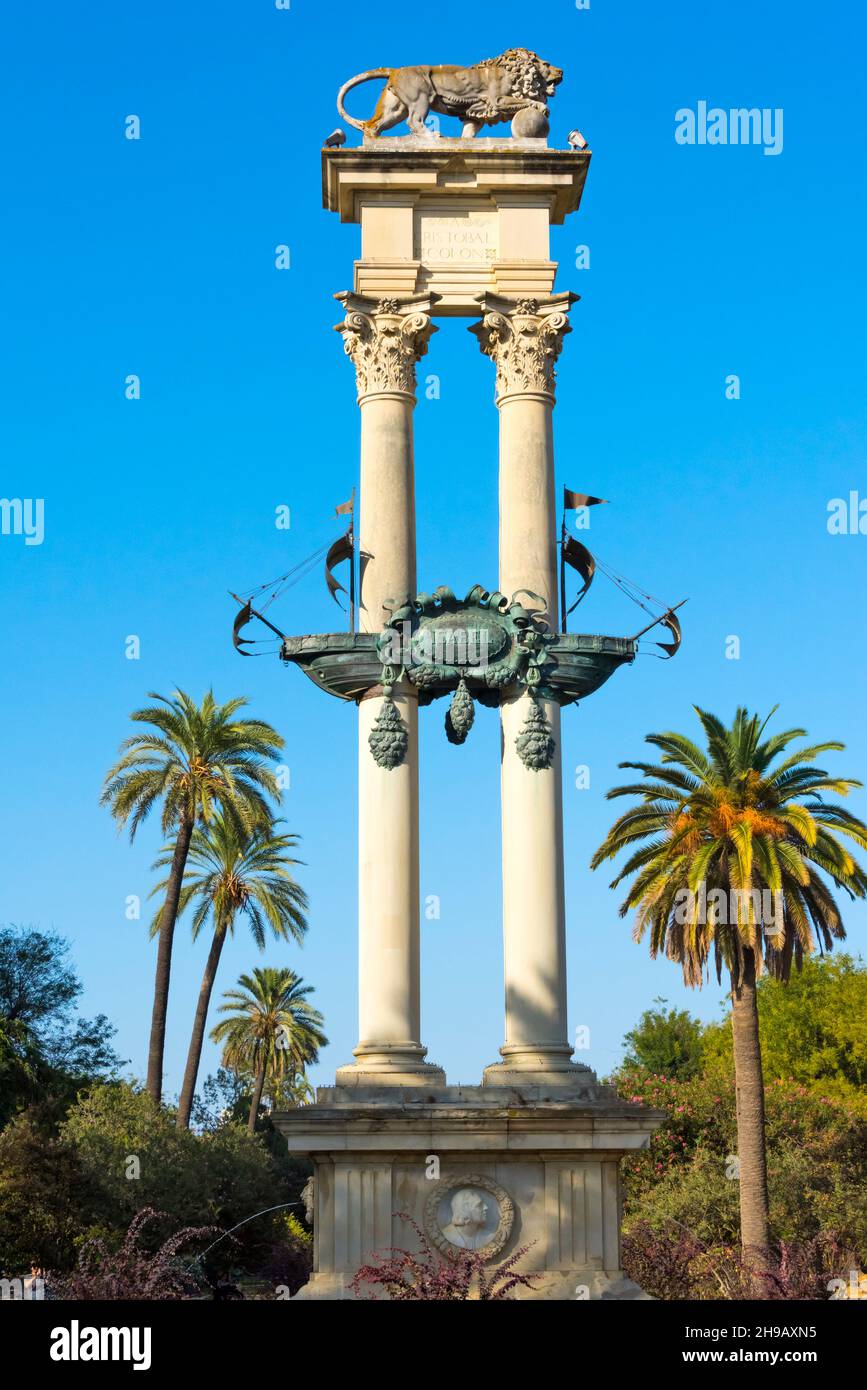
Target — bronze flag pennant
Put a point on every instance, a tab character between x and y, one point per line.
573	500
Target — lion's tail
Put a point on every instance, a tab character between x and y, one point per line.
356	82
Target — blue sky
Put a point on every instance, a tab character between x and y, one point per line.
156	257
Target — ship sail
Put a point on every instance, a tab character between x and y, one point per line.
672	622
245	615
579	558
342	549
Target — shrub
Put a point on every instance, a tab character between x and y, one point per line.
817	1161
426	1275
133	1151
132	1272
47	1200
670	1262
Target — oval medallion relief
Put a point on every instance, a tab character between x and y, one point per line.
469	1212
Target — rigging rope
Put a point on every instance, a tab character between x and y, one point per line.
632	591
273	650
630	588
289	579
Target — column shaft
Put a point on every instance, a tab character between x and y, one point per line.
534	919
384	339
388	885
524	339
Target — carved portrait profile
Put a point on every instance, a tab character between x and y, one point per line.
469	1212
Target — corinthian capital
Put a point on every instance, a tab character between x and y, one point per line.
523	338
385	338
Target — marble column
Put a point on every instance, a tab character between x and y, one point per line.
524	338
384	339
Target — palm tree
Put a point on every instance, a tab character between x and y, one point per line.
291	1090
193	759
271	1029
730	849
231	871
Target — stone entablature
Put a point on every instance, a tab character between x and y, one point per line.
455	218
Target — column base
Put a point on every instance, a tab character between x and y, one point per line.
548	1065
390	1064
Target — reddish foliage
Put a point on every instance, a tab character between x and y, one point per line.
661	1262
672	1263
288	1266
425	1274
133	1273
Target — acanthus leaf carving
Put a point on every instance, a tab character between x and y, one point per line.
524	339
385	339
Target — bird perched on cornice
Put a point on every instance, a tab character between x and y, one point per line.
335	139
576	140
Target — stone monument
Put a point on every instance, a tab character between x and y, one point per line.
459	228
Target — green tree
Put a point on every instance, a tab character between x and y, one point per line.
223	1098
47	1199
233	872
666	1042
812	1030
271	1029
191	760
46	1049
38	986
713	830
290	1088
19	1066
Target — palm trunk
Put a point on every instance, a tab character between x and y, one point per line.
168	917
257	1097
750	1100
194	1056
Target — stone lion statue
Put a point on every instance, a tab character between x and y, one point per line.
513	87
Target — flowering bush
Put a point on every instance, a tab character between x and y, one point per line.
700	1116
682	1219
817	1160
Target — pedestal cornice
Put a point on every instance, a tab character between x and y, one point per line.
476	1119
482	167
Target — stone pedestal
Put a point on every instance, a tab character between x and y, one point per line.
499	1168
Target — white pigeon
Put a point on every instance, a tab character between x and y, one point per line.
336	138
576	140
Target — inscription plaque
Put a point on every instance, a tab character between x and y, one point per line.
456	239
